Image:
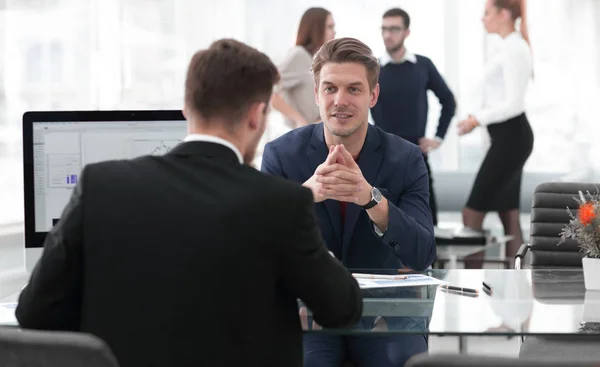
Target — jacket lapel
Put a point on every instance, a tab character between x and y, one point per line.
369	162
317	155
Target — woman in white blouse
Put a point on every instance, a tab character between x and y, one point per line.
497	186
294	96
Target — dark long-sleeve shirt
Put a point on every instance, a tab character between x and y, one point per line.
402	107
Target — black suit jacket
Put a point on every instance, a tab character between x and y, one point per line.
188	259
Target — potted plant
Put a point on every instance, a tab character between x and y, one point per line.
584	227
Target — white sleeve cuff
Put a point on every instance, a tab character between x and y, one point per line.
377	230
439	140
482	118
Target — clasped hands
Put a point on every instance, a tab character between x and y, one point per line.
339	178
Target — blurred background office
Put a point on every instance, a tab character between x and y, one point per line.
132	54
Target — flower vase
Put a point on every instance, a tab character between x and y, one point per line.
591	273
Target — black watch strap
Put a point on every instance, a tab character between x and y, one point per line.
370	204
375	198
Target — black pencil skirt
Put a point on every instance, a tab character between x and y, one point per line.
497	186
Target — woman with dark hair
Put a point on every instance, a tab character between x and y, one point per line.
294	96
497	186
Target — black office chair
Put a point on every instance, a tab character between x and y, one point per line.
548	217
452	360
27	348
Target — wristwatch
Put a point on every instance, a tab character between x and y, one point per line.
376	198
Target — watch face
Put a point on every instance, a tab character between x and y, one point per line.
376	195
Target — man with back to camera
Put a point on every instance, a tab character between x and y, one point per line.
212	276
370	190
404	80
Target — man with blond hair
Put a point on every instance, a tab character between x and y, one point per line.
370	190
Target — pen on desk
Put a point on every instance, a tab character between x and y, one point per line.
459	289
464	294
378	276
487	286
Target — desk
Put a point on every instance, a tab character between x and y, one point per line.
523	302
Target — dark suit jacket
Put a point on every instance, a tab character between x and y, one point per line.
393	165
188	259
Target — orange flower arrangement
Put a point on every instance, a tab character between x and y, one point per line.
587	213
585	226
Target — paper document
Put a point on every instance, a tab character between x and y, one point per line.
410	280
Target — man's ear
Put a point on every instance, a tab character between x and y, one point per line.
374	96
256	114
183	110
407	32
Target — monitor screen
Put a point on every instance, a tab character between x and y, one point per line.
60	147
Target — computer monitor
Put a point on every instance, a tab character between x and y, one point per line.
57	145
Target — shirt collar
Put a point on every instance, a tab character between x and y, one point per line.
217	140
408	56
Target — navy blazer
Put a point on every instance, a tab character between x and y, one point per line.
388	162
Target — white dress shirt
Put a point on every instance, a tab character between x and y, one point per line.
505	81
386	58
217	140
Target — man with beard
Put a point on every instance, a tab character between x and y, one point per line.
194	258
404	81
370	190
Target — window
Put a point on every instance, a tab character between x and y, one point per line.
133	54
